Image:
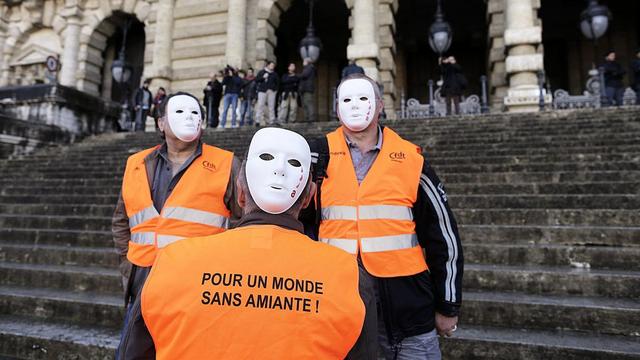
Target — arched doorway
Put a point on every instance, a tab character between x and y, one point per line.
568	55
331	21
103	47
416	63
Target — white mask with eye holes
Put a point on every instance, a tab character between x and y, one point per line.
278	164
184	117
356	104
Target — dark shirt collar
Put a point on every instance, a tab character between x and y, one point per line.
378	144
162	151
263	218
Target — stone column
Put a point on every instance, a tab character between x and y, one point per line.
4	66
236	33
69	59
521	37
163	42
364	47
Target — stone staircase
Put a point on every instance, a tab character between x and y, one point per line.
548	207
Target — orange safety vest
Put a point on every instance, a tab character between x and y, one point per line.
254	292
374	218
194	208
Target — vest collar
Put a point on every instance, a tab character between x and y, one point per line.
262	218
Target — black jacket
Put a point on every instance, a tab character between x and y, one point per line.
635	67
269	83
409	303
289	83
139	97
213	91
232	84
307	79
249	91
453	80
613	74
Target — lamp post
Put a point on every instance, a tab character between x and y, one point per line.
594	21
121	72
440	33
310	45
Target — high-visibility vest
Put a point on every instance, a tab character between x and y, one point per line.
254	292
194	208
375	218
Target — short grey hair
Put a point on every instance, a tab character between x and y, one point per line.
250	205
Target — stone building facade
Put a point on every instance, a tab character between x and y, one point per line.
178	43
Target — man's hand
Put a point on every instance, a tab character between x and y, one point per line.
445	326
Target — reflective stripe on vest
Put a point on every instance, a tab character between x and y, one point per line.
142	216
367	212
389	243
348	245
143	238
196	216
164	240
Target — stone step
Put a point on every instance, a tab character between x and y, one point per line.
526	159
483	343
72	190
544	188
578	256
27	338
77	182
58	255
49	199
545	201
556	234
65	277
444	153
584	217
57	209
546	177
539	280
55	222
524	311
80	308
60	237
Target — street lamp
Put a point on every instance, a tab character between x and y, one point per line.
310	45
440	33
594	20
121	72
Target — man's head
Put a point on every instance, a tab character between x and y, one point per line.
146	83
275	176
291	68
250	71
162	91
271	65
359	102
242	73
181	117
611	55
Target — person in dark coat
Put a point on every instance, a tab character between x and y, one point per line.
307	90
288	95
613	75
212	97
248	95
232	85
142	105
635	67
453	83
267	82
352	68
161	94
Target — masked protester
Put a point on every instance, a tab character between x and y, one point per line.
264	289
179	189
381	202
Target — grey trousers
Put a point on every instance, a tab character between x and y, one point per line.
309	106
267	98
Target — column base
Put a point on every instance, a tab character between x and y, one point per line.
525	99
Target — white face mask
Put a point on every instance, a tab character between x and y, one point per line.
184	117
356	104
278	166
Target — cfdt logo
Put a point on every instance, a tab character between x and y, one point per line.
208	165
397	156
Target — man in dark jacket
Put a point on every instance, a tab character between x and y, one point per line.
307	89
212	97
613	74
267	85
232	85
635	67
248	95
142	101
288	96
412	308
453	83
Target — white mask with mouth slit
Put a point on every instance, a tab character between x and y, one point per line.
356	104
278	165
184	117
